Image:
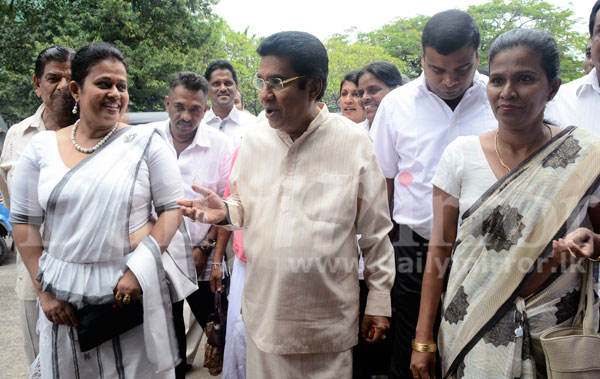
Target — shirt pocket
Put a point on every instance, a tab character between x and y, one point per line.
330	197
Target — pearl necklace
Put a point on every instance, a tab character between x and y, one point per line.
100	143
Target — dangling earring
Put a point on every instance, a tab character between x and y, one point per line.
75	108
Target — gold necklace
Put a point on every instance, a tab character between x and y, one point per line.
498	150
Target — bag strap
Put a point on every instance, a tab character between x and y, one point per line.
586	317
218	307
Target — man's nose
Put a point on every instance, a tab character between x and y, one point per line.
63	84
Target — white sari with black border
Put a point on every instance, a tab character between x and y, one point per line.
487	329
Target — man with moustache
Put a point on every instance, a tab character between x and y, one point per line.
51	82
577	102
413	126
204	158
301	199
223	115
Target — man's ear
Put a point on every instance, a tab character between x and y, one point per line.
36	85
314	85
167	102
74	88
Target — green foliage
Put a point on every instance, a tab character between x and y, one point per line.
402	38
499	16
158	38
162	37
240	50
345	56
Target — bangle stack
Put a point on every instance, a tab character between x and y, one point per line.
424	347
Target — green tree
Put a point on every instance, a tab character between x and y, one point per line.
402	38
499	16
240	50
345	56
158	38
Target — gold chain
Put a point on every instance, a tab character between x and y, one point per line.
498	150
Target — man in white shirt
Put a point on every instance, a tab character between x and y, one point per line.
412	127
51	83
577	102
223	115
204	158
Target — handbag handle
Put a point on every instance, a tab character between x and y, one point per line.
586	316
218	309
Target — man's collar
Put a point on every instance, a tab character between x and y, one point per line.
233	115
589	82
38	121
201	138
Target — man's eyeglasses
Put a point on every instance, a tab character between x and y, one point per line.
274	83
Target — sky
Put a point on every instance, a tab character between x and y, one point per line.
326	17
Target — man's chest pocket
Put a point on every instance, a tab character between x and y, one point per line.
330	198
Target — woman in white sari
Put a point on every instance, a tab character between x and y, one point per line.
516	190
94	185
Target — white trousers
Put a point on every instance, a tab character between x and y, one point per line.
234	357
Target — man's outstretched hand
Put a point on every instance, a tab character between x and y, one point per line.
208	208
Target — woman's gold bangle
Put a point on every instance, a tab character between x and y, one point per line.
597	259
424	347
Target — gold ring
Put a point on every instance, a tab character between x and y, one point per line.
192	219
383	336
127	299
119	297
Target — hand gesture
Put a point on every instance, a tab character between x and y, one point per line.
57	311
208	209
373	328
128	289
422	365
575	246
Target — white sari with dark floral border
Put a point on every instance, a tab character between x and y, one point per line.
487	330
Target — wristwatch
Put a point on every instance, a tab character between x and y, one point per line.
207	246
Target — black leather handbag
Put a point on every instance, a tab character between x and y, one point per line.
216	335
98	323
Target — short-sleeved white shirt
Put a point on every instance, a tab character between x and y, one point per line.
464	172
205	162
234	125
577	103
410	131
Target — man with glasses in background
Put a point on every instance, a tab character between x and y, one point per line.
301	198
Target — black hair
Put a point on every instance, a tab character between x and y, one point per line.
92	54
537	41
450	31
593	16
54	53
190	81
307	54
384	71
352	76
220	65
